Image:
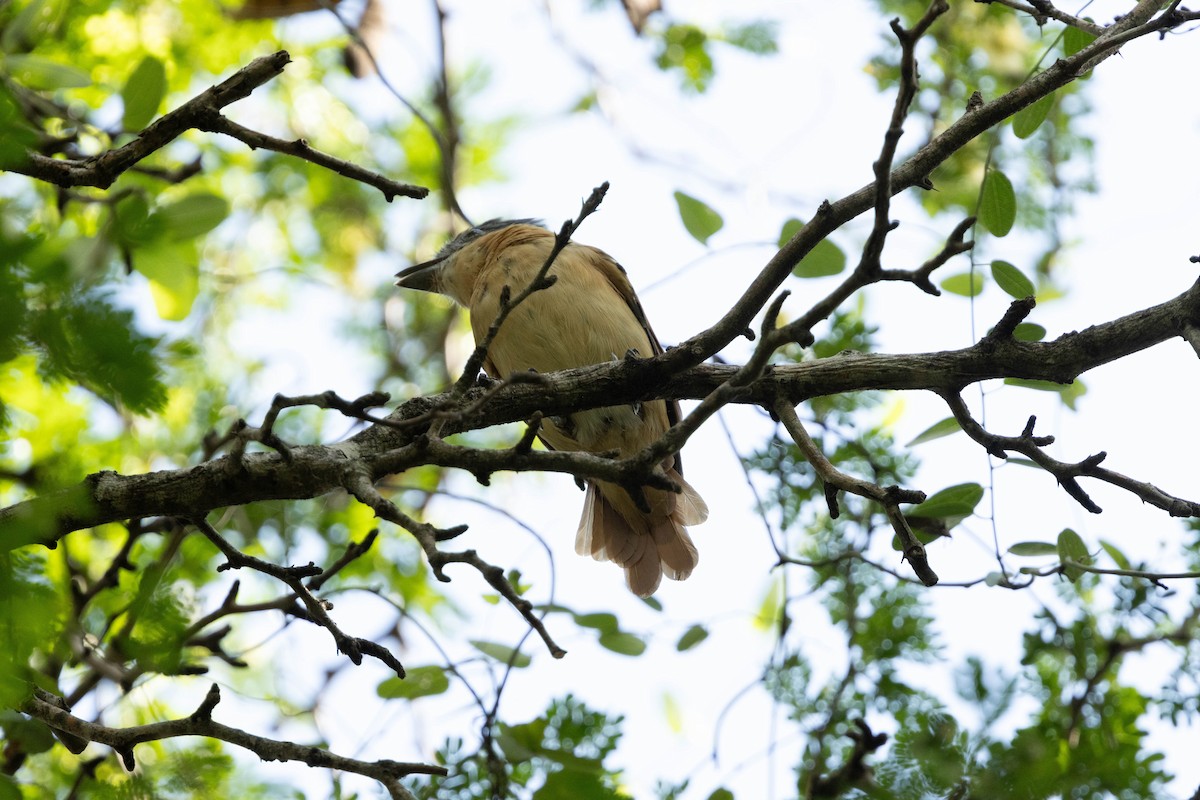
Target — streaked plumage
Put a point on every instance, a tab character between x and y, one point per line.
589	316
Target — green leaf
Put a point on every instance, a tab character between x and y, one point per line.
1033	549
32	735
953	504
760	38
700	220
420	682
936	431
998	206
789	229
601	621
30	24
672	713
193	215
1072	548
721	794
824	259
1041	386
1029	332
691	637
627	644
1116	555
1022	462
1031	117
502	653
769	611
572	784
90	341
967	284
37	72
143	93
652	602
685	48
1012	280
1069	392
993	578
1075	40
173	269
133	225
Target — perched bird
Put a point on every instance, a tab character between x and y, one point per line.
588	316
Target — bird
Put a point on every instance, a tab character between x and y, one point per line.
588	315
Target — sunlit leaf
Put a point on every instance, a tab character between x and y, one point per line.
1012	280
173	269
672	713
193	215
1071	548
143	93
502	653
769	610
37	72
1033	549
601	621
952	503
96	344
420	682
998	205
627	644
967	284
700	220
684	48
1119	558
937	430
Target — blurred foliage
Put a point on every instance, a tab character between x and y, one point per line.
124	345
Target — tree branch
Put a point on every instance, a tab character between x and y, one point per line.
313	470
889	497
915	171
202	112
200	723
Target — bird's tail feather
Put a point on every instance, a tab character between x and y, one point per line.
648	546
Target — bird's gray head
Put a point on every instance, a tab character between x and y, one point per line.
482	229
424	276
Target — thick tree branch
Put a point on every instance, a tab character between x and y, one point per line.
200	723
313	470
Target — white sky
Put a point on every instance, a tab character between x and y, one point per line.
781	133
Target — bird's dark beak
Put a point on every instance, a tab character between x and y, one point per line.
424	277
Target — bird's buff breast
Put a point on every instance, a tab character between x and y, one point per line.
580	320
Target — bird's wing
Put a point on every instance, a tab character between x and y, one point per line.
619	280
